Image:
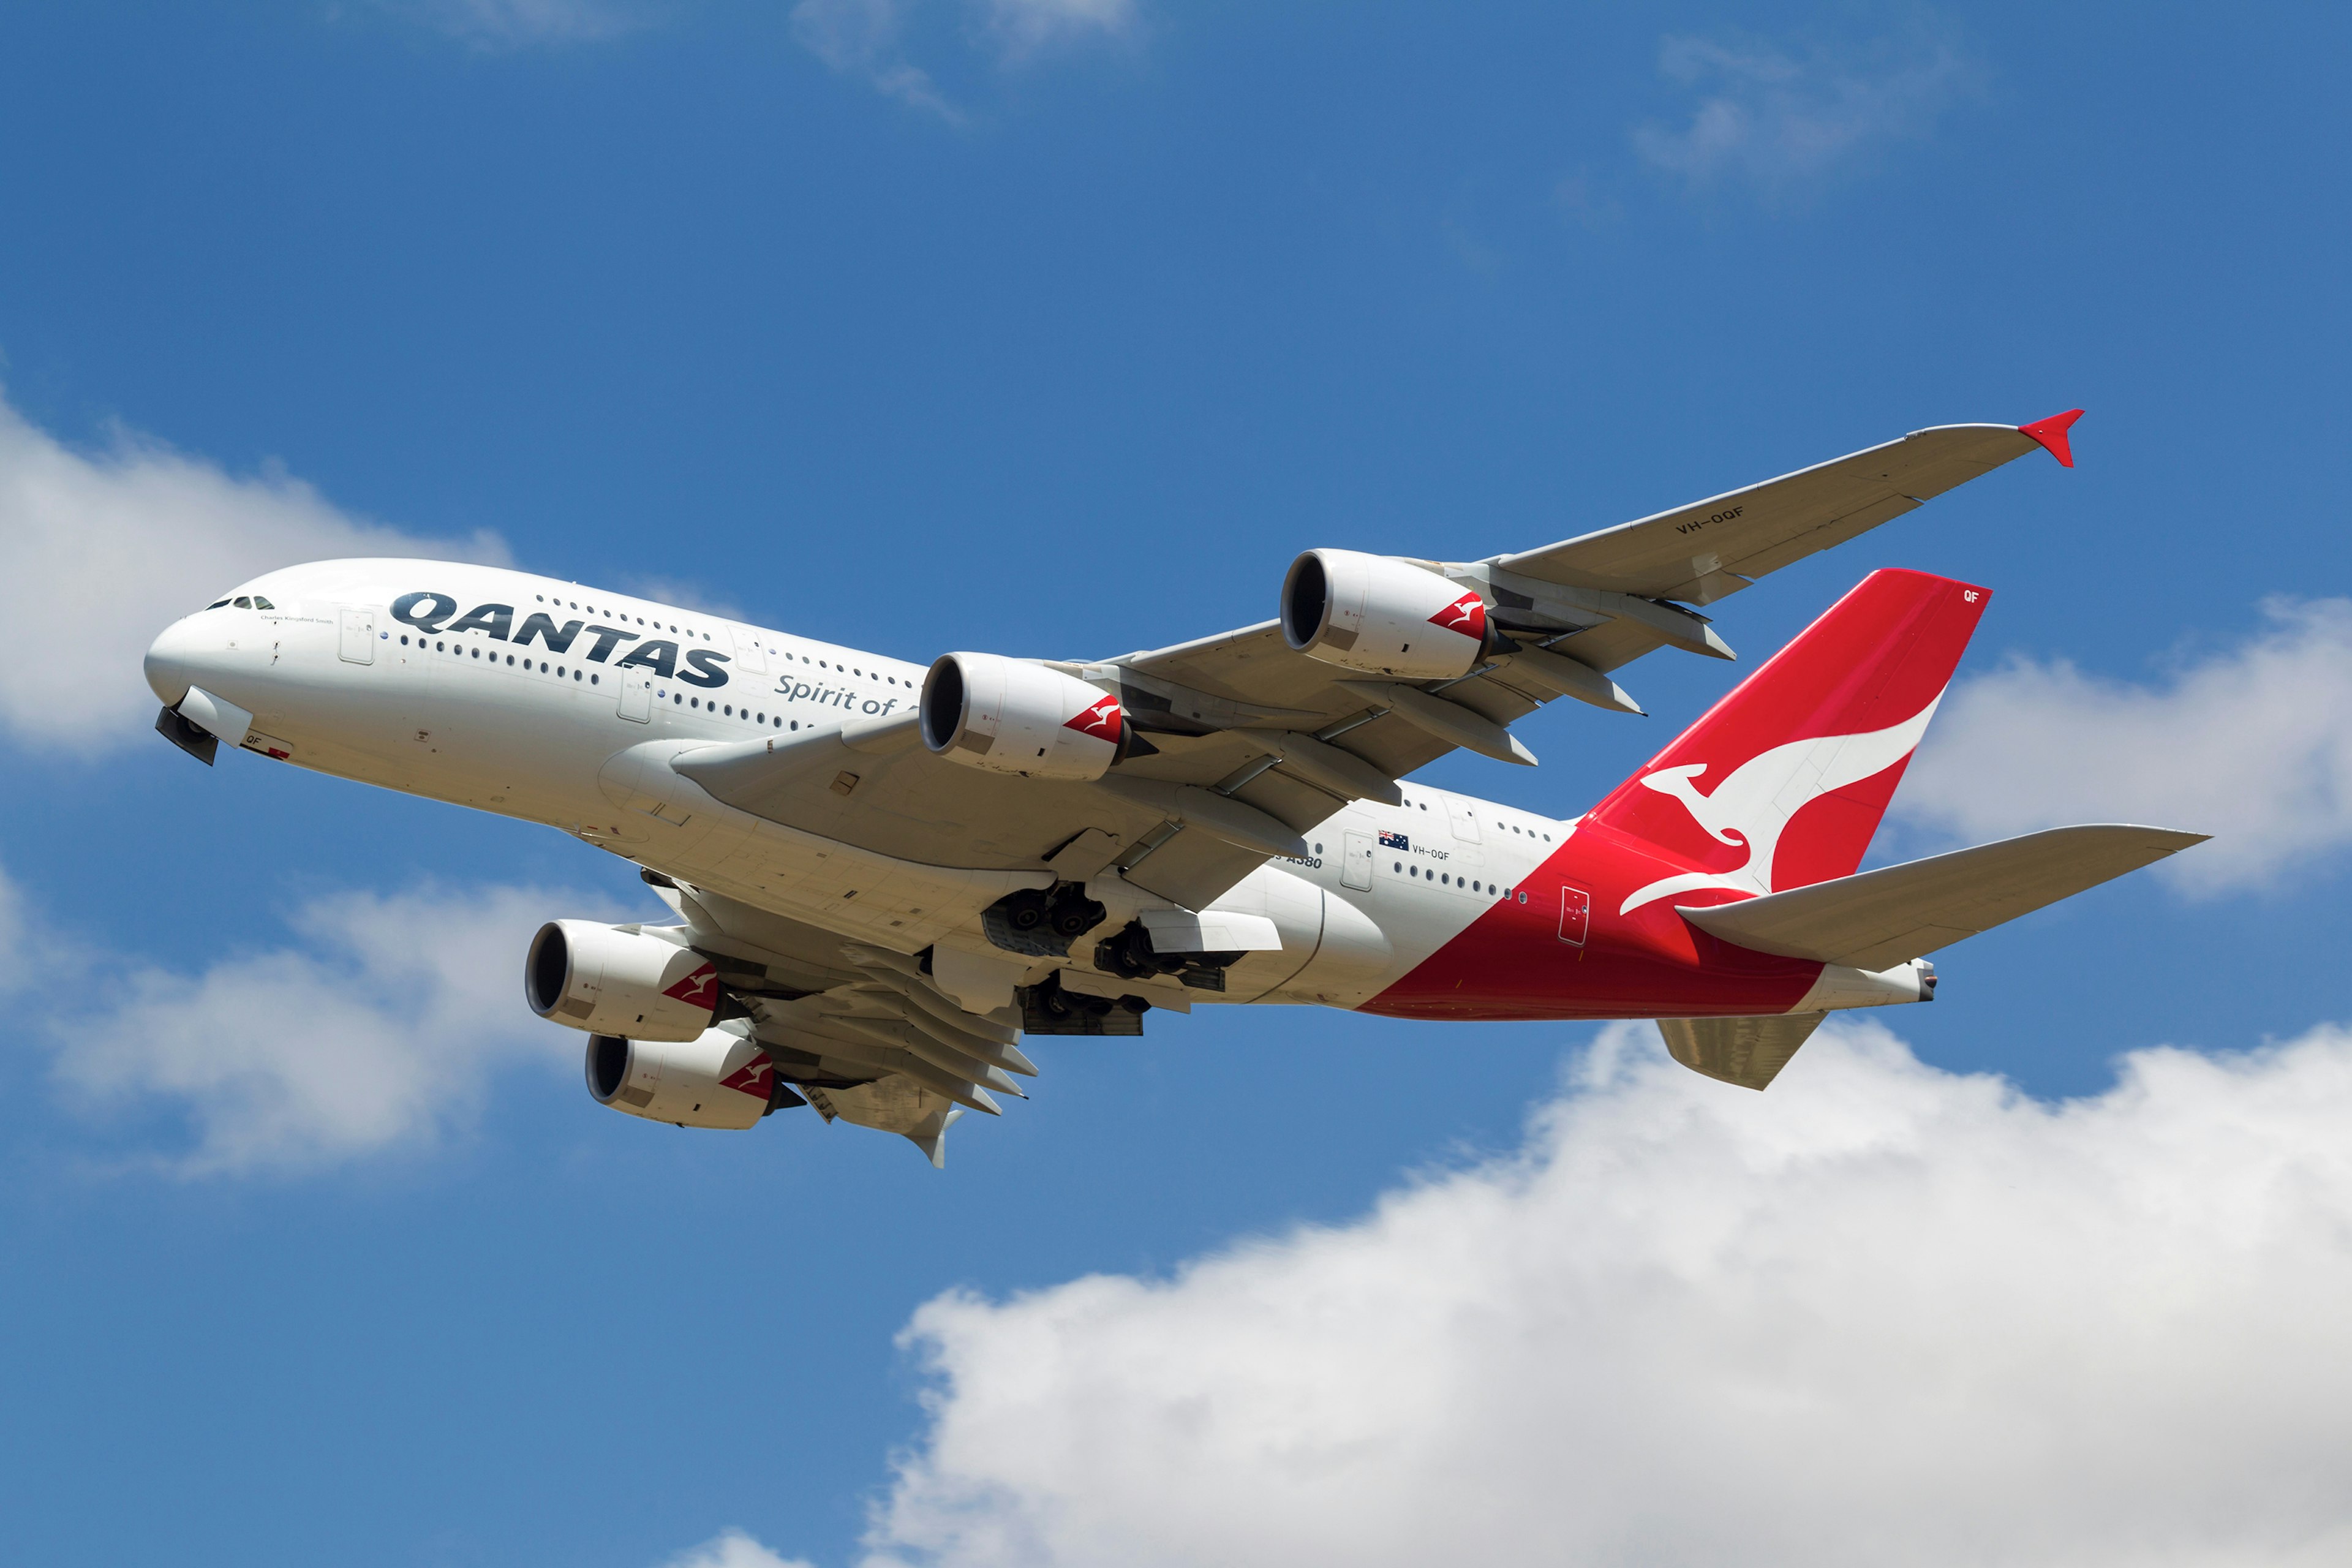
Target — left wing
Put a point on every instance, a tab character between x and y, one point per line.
862	1033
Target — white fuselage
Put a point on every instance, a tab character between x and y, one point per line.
566	711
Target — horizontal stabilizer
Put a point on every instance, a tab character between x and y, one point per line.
1879	919
1746	1051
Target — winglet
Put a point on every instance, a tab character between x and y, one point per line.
2051	434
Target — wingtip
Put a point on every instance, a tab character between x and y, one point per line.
2050	434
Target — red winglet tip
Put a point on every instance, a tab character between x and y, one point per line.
2051	434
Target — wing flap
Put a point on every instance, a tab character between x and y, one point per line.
1878	918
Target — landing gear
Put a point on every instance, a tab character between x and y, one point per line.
1047	1009
1025	911
1040	922
1130	956
1073	914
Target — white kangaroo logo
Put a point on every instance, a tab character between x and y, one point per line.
1755	804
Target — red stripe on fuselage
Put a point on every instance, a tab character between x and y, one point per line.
1512	963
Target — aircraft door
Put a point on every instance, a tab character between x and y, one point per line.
1356	868
1575	915
749	657
1463	815
637	697
358	642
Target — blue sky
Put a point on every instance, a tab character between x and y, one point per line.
1057	327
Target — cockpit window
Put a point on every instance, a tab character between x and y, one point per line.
261	603
244	601
217	605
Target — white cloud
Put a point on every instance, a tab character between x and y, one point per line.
869	38
381	1030
1776	119
861	38
100	550
1024	27
1883	1313
2252	743
732	1549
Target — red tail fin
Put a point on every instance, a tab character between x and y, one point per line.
1782	783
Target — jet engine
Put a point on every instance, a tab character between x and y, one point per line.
1381	615
1008	716
718	1079
608	979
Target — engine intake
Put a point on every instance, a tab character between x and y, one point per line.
608	980
1382	617
1009	716
718	1079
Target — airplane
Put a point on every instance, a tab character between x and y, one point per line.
886	877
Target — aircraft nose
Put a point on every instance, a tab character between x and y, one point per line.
174	660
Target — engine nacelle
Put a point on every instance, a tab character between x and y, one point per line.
610	979
1381	615
718	1079
1009	716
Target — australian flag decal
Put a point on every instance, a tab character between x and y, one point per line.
1394	840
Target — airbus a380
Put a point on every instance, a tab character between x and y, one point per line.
884	876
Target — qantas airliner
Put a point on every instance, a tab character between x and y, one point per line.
885	875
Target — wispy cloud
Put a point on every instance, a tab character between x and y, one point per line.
864	38
101	549
517	24
2251	742
1023	29
869	38
378	1029
1884	1312
1776	119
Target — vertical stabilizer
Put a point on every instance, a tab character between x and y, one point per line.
1782	783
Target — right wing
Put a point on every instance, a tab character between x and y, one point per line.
1255	745
1710	548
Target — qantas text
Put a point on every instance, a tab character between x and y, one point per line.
430	612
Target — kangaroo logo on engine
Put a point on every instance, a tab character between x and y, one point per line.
1467	614
754	1078
1101	720
700	988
